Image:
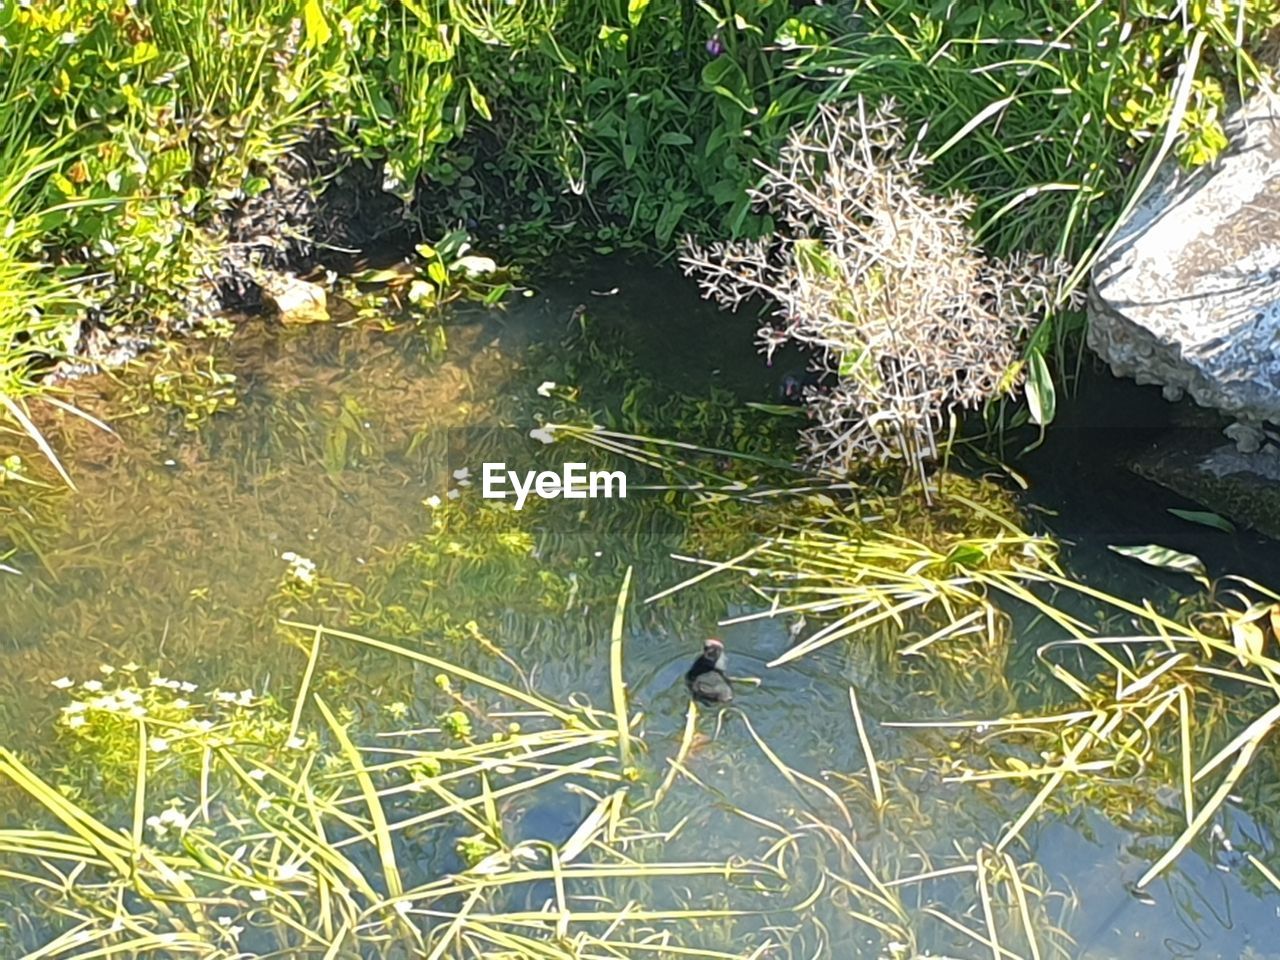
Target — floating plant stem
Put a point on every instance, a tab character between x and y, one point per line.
872	772
616	681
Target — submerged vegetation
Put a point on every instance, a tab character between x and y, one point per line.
432	752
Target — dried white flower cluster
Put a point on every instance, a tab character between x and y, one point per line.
884	282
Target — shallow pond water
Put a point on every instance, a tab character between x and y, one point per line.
172	560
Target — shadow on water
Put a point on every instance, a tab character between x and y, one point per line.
172	555
1081	473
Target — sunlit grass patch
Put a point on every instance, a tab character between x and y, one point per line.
1180	708
395	846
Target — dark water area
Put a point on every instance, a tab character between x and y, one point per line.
1081	472
173	558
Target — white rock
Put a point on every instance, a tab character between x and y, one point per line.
1187	294
296	301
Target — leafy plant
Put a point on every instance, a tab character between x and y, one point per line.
885	280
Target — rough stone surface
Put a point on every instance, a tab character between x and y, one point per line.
296	301
1245	487
1187	294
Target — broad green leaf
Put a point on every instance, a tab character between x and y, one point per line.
1041	398
1246	633
318	32
723	76
635	11
968	555
170	165
65	186
1166	559
794	32
672	211
1205	518
478	101
143	52
612	38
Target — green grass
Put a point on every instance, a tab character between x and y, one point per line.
588	125
311	838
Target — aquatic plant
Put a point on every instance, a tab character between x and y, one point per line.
1190	704
250	828
885	282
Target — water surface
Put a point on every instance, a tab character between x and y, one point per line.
171	560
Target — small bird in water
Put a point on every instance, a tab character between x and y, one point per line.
706	678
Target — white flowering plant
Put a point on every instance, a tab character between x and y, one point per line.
111	723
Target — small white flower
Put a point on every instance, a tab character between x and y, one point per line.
188	687
287	872
131	667
76	721
258	775
300	569
403	907
544	434
432	501
159	682
74	708
245	697
225	921
257	893
295	743
170	819
92	685
106	669
461	473
63	682
158	744
204	726
181	704
137	712
545	388
453	494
